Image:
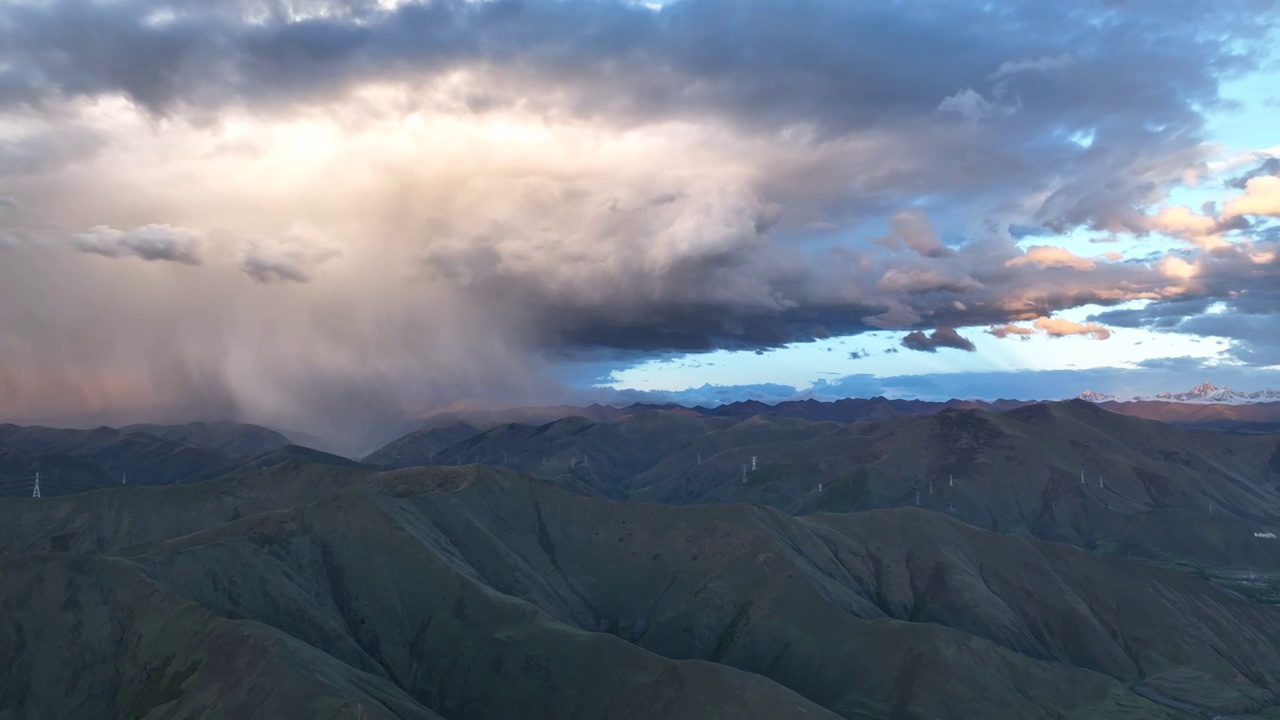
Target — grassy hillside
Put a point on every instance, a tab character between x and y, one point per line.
235	439
1068	472
420	446
72	461
473	592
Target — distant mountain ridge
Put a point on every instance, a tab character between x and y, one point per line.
1019	471
1261	414
1203	394
844	410
73	461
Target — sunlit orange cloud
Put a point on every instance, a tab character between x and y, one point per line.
1012	330
1046	256
1176	267
1053	327
1181	221
1059	327
1261	197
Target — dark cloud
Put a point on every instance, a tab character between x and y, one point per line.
1135	83
842	64
943	337
775	142
1238	301
1176	364
1253	335
858	354
266	271
150	242
1022	232
1164	315
855	73
912	230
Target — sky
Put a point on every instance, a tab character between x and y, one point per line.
331	215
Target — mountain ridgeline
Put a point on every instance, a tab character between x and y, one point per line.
1070	472
865	560
72	461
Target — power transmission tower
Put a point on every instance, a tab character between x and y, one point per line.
744	473
35	493
753	463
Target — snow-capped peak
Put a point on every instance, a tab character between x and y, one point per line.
1204	393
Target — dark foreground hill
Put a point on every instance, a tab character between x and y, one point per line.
319	591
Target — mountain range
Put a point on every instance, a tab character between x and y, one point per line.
862	559
1067	472
309	590
1263	415
1204	393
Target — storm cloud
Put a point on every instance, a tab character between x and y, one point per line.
943	337
369	209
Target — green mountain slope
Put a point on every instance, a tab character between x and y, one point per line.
72	461
235	439
1069	472
473	592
